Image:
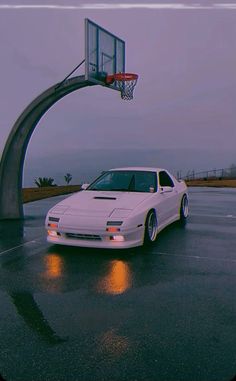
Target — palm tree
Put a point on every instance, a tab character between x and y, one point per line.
68	178
45	182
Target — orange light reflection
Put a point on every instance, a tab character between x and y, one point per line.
117	281
54	266
113	344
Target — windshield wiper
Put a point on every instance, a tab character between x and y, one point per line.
101	190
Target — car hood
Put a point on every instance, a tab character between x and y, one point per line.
104	204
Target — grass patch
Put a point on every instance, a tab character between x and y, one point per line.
34	194
219	183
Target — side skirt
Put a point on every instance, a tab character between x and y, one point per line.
168	222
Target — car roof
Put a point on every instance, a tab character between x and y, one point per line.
148	169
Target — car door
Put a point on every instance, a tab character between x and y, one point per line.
169	196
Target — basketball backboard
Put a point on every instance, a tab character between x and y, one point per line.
104	54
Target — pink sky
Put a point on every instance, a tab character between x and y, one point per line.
186	60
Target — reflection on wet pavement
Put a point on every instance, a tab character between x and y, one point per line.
117	280
166	312
11	233
28	309
113	344
54	266
52	276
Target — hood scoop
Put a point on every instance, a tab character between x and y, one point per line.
104	198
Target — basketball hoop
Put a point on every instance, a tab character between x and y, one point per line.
125	83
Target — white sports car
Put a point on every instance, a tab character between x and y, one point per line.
124	207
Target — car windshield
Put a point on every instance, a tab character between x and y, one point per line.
126	181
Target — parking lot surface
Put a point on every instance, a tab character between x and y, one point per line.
166	313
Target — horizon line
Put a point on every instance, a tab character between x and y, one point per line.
121	6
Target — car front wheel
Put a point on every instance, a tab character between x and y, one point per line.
184	209
151	228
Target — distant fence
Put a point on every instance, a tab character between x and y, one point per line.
222	173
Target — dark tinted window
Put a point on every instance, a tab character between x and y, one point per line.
165	180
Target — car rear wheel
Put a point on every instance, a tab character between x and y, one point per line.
184	209
151	228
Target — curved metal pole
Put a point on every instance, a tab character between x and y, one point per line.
12	162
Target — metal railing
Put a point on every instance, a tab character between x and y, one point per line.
222	173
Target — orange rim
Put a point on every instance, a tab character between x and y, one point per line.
121	77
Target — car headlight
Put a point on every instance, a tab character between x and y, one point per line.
114	223
120	213
53	219
59	209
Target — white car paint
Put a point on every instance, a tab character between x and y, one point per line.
81	219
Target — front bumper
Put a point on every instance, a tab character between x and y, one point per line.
97	238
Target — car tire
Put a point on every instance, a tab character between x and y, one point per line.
151	228
184	210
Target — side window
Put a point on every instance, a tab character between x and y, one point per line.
165	180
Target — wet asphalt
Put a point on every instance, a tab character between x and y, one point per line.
166	313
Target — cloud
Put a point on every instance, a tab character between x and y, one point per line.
121	6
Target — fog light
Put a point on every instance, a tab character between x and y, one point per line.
52	233
117	238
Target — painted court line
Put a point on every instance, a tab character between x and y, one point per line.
197	257
17	247
213	215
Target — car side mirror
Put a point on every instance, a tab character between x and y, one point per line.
166	189
84	186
